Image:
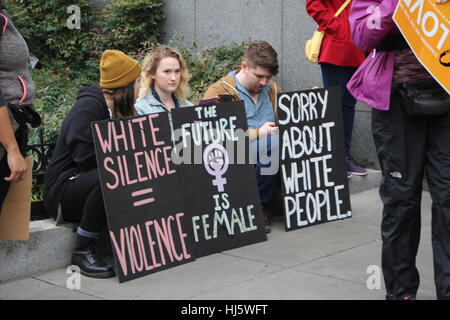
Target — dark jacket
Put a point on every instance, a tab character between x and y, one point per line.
74	151
16	85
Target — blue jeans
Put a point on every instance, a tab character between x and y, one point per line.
336	76
266	177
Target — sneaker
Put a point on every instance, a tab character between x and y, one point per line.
353	168
267	219
349	175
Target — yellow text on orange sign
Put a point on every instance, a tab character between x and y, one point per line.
426	27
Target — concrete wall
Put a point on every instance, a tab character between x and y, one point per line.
284	24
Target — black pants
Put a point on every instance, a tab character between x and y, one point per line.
4	185
337	76
82	201
407	147
22	139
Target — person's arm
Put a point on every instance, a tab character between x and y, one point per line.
267	129
79	134
323	15
16	162
371	21
217	89
214	91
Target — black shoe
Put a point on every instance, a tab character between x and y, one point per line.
86	257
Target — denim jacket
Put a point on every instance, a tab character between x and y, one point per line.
149	104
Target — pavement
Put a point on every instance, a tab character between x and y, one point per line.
333	261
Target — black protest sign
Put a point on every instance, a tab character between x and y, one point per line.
313	170
217	179
148	224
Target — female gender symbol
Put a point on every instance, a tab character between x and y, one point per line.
215	159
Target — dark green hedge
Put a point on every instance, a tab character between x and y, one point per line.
128	25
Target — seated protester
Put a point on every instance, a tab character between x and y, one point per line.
164	82
252	83
72	191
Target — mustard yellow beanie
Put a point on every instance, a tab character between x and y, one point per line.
117	69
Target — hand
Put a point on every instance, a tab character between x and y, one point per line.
17	165
441	1
268	129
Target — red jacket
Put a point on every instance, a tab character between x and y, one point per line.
337	45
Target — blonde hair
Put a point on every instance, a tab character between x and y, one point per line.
150	65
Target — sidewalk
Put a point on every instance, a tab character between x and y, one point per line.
327	261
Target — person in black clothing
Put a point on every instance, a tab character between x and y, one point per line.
72	191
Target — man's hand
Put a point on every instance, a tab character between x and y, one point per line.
441	1
17	165
268	129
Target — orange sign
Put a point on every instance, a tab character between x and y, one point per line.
426	27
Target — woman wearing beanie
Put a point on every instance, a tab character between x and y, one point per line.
164	82
72	190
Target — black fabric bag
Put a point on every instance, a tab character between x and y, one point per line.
25	114
424	98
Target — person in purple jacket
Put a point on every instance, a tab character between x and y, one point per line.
407	147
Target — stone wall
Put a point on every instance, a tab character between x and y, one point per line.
284	24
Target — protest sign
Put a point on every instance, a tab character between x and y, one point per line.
15	212
147	221
425	26
313	170
218	183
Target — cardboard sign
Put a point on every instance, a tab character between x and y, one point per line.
426	27
148	225
313	170
15	212
218	182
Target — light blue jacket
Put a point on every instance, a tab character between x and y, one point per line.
149	104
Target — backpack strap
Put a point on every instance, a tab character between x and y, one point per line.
3	23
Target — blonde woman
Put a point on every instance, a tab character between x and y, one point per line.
164	82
